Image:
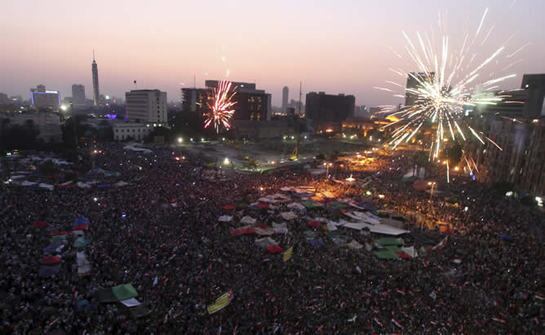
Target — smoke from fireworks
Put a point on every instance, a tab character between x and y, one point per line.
221	107
449	82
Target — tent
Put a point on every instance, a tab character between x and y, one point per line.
288	216
314	224
246	230
81	219
248	220
274	249
265	242
124	292
389	241
225	218
53	248
386	254
51	260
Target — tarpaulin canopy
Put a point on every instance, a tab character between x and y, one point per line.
81	219
316	243
288	216
248	220
314	224
388	241
274	249
386	254
229	207
82	226
265	242
51	260
280	228
225	218
124	292
311	204
246	230
53	248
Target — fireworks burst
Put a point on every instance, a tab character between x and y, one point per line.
221	107
449	84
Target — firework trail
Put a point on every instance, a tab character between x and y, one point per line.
450	80
221	107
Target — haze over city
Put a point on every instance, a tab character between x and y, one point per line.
332	46
272	167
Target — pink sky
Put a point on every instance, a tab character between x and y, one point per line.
333	46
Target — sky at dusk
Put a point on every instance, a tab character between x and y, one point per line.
333	46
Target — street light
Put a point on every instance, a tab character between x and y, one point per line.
180	140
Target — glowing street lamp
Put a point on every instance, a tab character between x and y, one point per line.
180	140
226	161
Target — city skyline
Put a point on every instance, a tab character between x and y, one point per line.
353	42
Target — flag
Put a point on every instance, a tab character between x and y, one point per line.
220	303
286	256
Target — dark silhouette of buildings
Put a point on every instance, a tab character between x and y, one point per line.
327	108
534	85
285	97
251	103
78	95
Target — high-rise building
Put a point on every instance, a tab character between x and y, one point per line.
414	82
78	94
251	103
323	108
285	97
146	106
44	100
534	85
96	89
4	99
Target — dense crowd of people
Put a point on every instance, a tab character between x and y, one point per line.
161	233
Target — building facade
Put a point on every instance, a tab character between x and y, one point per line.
78	95
44	100
146	106
250	103
47	123
326	108
285	97
130	131
517	125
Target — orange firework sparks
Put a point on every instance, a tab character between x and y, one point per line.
221	107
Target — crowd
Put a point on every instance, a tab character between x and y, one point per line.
161	233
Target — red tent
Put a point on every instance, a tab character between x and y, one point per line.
229	207
82	226
274	249
51	260
40	224
313	224
263	205
403	255
243	231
